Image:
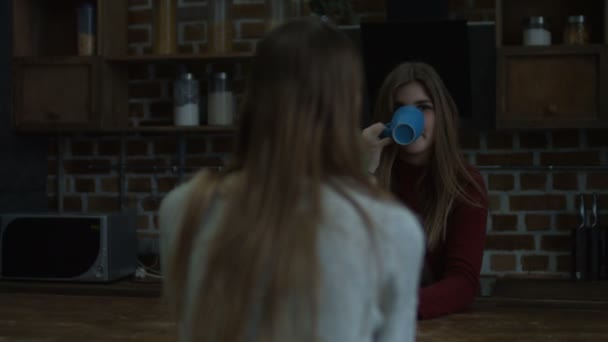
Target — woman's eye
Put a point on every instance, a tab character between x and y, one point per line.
425	107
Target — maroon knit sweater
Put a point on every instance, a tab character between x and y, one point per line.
455	264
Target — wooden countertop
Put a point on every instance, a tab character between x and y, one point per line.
27	315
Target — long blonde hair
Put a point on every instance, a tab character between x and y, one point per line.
446	177
298	130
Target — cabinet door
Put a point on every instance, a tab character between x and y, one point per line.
551	88
56	95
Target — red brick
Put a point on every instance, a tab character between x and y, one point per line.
84	185
566	222
51	185
570	158
510	159
494	202
499	140
566	139
536	222
139	184
147	90
51	167
556	243
196	145
108	148
155	221
597	181
143	222
88	167
222	144
72	203
138	72
457	4
136	110
250	30
166	184
161	110
82	148
165	146
138	36
502	262
146	166
597	138
504	222
194	32
533	181
137	148
202	162
501	182
138	3
565	181
535	263
243	46
485	4
140	17
469	140
110	185
102	204
564	263
533	140
151	203
537	202
509	242
249	11
186	49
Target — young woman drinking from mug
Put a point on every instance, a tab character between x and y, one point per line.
431	176
293	242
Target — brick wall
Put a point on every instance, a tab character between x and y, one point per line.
530	210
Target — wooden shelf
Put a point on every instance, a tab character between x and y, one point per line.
175	129
552	50
178	57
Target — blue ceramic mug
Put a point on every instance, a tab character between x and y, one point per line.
406	126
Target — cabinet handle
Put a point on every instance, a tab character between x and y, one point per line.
52	115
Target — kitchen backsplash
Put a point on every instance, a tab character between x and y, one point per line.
531	209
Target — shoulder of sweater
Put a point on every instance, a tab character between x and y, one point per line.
394	224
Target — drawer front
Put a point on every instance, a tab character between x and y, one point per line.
55	95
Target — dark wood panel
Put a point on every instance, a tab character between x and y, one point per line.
543	289
45	28
551	87
56	94
45	317
112	27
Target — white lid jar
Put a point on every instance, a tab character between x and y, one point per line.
220	101
186	101
536	32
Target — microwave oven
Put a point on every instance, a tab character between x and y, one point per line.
67	247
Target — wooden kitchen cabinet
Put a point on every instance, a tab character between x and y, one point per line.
555	86
54	89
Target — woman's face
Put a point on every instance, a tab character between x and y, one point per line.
413	93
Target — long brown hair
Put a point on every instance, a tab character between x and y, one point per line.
446	176
298	131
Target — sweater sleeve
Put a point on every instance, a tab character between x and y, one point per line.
463	252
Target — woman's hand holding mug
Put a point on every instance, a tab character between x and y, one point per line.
375	144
